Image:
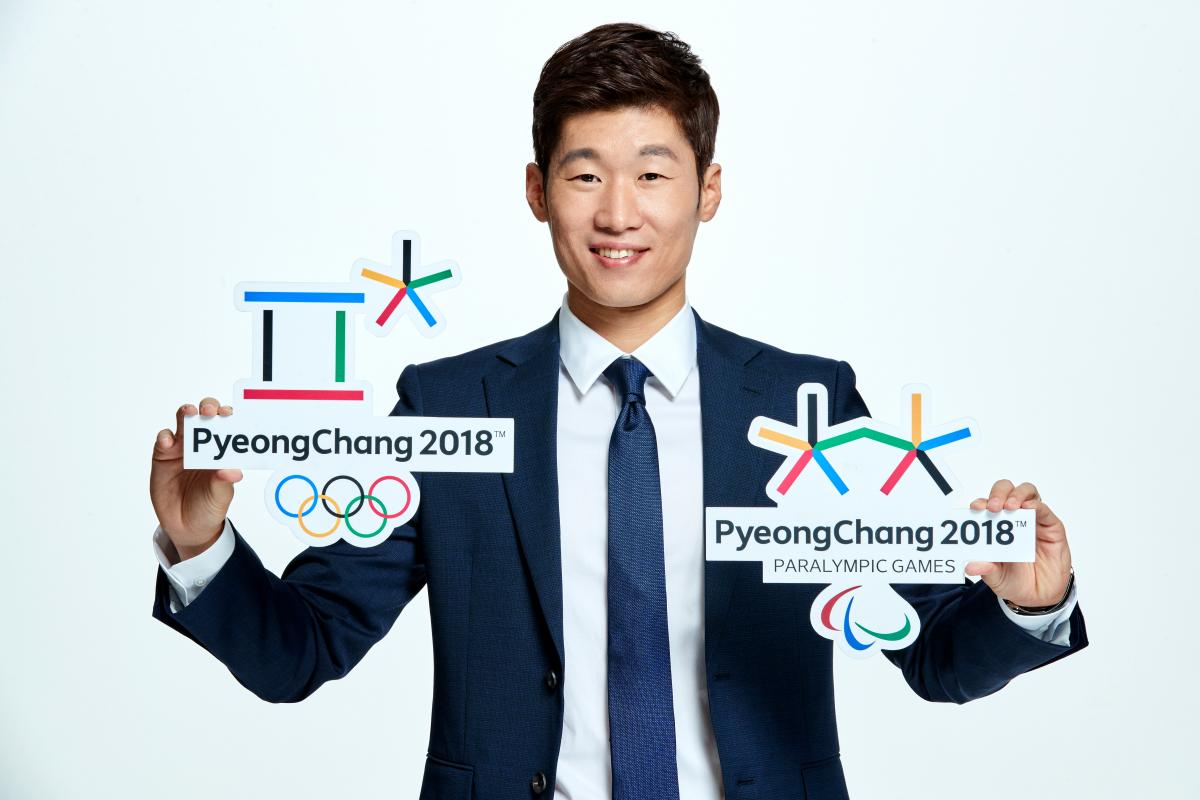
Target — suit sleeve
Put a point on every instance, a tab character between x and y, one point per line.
282	637
968	648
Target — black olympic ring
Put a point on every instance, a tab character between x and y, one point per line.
325	491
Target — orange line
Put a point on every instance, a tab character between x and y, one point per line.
783	438
916	420
371	274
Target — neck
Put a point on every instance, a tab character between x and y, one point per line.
630	327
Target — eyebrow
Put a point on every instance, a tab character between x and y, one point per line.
575	155
658	150
581	153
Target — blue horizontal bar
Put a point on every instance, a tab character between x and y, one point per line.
305	297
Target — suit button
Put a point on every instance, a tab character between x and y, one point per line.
538	783
552	680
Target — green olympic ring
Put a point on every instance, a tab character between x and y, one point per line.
360	500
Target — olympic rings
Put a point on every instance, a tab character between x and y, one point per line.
363	498
300	516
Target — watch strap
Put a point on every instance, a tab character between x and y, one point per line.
1036	610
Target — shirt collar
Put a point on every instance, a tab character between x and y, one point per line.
669	354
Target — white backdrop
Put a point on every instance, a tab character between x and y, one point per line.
997	199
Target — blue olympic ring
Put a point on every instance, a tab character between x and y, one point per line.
312	485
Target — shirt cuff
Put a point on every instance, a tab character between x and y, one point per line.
1054	628
187	578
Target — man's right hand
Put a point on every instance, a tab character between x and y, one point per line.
191	504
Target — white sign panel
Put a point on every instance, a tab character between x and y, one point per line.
419	444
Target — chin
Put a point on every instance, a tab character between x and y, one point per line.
624	296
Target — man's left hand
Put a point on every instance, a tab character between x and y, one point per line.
1043	582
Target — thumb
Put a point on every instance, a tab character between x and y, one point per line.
227	475
991	572
164	445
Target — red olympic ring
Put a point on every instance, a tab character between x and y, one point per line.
407	499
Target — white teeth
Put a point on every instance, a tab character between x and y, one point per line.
607	253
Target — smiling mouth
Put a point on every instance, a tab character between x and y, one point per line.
609	252
611	257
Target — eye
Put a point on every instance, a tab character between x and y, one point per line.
653	176
587	177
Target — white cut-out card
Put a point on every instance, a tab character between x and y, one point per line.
338	472
861	505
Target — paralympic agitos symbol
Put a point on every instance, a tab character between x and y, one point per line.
833	616
827	610
304	416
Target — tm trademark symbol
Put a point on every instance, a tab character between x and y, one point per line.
1021	523
499	434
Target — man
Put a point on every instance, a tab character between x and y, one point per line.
583	647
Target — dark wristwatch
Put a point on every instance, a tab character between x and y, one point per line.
1031	611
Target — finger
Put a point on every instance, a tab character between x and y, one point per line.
185	410
1000	492
979	503
228	475
990	572
1026	491
1046	519
225	411
1048	526
209	406
981	568
163	444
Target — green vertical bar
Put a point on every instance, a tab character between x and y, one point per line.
339	369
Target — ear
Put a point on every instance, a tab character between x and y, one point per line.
710	193
535	192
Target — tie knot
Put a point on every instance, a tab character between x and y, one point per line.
628	375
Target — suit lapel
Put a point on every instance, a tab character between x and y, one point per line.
524	385
732	393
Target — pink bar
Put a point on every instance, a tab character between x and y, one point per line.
302	394
899	471
790	478
387	312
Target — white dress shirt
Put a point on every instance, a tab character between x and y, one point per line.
587	410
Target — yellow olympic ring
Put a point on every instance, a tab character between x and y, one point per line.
337	519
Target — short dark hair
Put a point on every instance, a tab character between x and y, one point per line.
622	65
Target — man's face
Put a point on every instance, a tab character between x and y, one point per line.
623	202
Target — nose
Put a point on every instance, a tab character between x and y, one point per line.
619	209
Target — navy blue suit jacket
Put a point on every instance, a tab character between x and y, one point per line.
487	548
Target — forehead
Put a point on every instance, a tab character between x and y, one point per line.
622	134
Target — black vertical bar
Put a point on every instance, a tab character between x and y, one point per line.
812	419
407	274
268	342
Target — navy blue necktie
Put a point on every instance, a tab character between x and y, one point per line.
640	712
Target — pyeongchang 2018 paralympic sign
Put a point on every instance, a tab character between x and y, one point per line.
862	505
